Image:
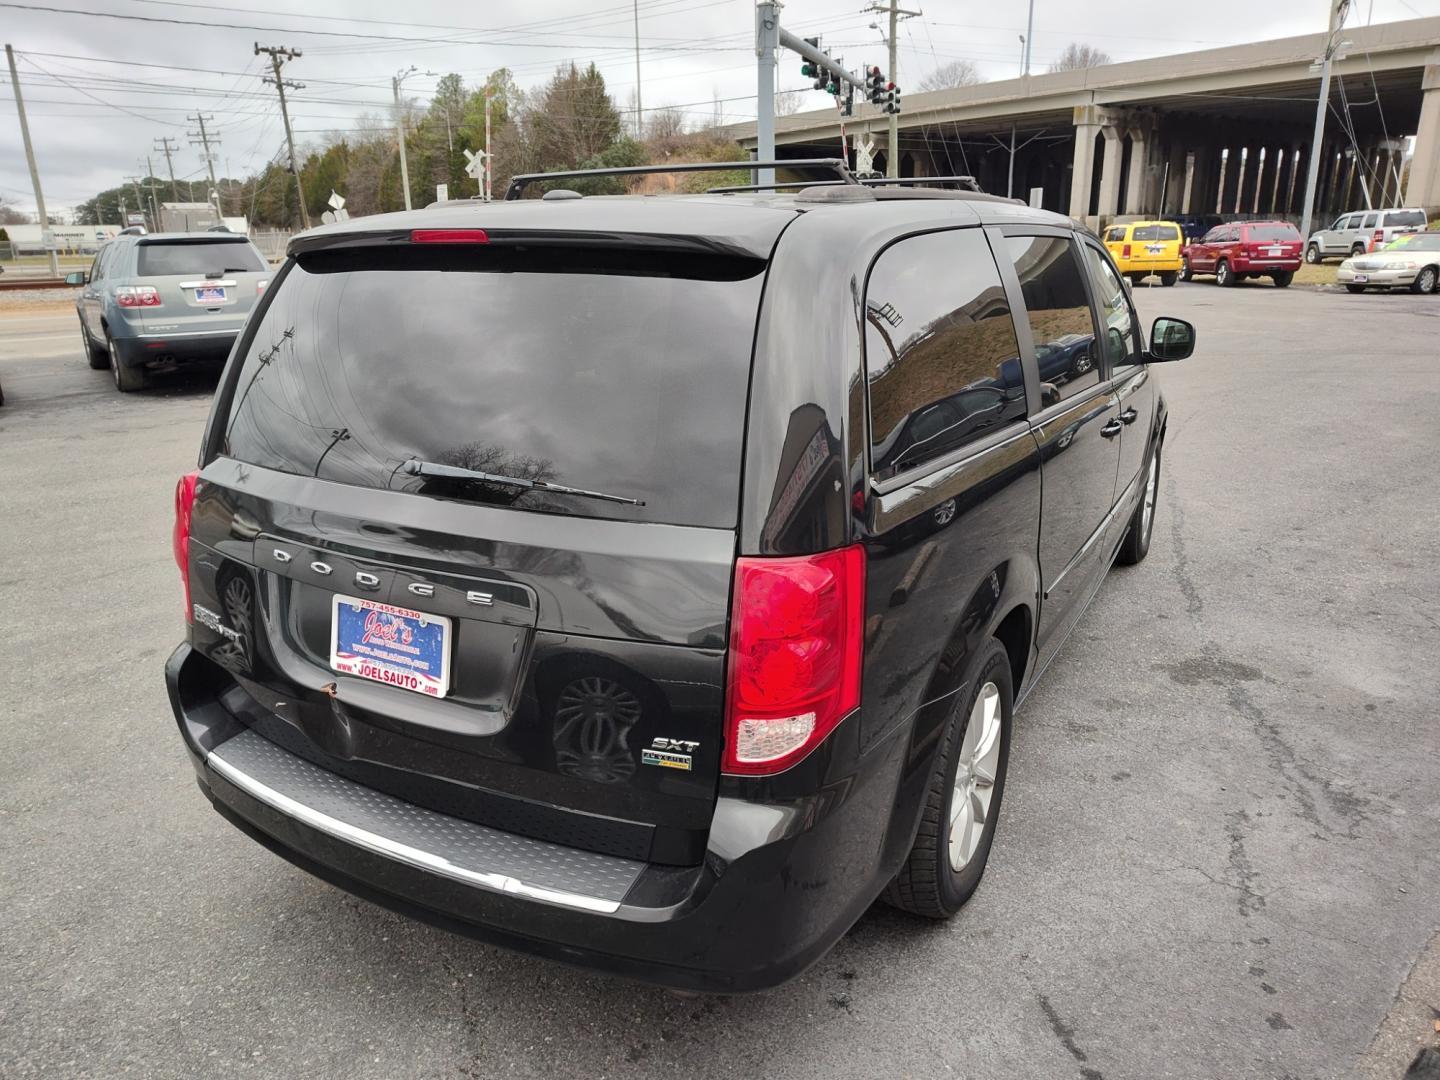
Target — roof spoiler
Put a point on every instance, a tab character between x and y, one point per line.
835	166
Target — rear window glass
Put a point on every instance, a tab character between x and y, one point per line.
1157	232
1274	232
1406	217
610	372
200	258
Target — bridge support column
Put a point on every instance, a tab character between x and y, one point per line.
1110	171
1135	185
1087	126
1424	186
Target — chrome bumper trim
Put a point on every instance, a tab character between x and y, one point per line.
393	849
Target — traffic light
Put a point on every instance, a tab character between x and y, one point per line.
875	86
892	98
812	70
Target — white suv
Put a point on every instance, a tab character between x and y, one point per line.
1360	232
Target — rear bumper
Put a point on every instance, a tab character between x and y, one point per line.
143	349
1266	266
782	879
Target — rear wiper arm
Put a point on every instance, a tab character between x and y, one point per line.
416	467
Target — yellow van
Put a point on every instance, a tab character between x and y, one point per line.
1142	248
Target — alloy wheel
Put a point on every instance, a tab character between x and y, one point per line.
975	772
1152	492
1426	281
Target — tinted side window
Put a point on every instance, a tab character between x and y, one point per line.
1059	311
97	268
1369	222
941	357
1214	236
1117	234
1406	217
1114	309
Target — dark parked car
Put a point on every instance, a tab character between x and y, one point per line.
1243	250
546	567
1194	226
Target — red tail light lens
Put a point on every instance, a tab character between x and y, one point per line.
796	634
1125	252
180	538
137	296
1377	239
261	285
449	236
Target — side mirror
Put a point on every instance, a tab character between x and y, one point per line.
1171	339
1049	395
77	277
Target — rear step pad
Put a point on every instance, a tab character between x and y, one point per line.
475	854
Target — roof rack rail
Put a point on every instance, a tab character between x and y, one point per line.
841	171
969	182
730	189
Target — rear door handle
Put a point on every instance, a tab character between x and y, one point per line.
1129	416
1112	429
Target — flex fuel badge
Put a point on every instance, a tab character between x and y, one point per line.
669	753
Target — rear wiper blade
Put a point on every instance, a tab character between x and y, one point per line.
416	467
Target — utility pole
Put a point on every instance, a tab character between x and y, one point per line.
204	138
276	53
166	149
1029	37
639	112
139	198
892	149
485	188
1338	10
767	43
154	202
30	160
400	77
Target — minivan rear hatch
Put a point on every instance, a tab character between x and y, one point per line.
467	528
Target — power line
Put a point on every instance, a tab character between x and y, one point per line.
276	53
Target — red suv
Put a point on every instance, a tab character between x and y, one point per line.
1244	250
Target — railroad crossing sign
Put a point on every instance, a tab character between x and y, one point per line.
864	156
475	164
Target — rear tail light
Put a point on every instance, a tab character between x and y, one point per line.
260	286
1377	239
796	630
449	236
1125	252
180	538
137	296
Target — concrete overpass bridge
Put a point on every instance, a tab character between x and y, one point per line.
1218	131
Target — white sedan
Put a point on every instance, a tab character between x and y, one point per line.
1411	261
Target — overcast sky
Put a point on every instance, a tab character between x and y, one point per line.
93	119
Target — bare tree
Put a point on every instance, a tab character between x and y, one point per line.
665	125
951	76
788	102
1078	56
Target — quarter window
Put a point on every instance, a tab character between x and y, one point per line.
1059	312
941	358
1114	305
1369	222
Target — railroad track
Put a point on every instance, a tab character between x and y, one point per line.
8	284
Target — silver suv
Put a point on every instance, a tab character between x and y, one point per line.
1362	231
154	301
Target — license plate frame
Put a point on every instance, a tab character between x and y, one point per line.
210	294
391	645
1275	252
1362	279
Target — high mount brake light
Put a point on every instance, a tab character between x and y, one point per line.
449	236
180	538
796	634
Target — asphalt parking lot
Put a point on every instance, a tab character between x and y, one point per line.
1218	854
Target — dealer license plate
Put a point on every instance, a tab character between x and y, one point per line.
210	294
1360	279
392	645
1275	251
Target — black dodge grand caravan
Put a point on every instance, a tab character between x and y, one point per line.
649	582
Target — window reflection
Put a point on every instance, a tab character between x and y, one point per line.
1059	312
1114	309
941	355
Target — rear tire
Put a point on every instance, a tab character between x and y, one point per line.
1425	280
1283	278
1355	288
1169	277
1224	277
127	380
1312	254
1357	250
971	764
1186	274
98	359
1136	544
